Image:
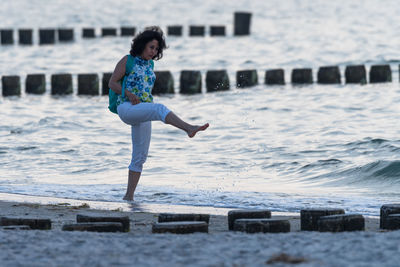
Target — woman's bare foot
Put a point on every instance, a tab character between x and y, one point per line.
192	132
126	197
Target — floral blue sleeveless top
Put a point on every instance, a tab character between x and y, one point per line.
140	81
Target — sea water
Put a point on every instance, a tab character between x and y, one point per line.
278	147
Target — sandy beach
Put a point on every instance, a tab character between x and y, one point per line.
219	247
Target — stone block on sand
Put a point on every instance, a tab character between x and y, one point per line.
262	226
95	227
183	227
80	218
246	214
36	224
309	217
341	223
387	210
172	217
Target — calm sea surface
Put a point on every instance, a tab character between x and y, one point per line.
278	147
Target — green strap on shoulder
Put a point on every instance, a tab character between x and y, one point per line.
130	62
152	64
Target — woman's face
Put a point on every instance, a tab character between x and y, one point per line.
150	50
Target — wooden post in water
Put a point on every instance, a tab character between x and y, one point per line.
47	36
302	76
356	74
11	85
242	21
128	31
61	84
329	75
217	30
380	74
174	30
88	33
106	78
217	80
196	31
164	83
275	77
7	36
190	82
246	78
25	36
66	35
108	32
35	84
88	84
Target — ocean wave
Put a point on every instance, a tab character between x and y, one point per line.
378	173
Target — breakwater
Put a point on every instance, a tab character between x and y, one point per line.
191	81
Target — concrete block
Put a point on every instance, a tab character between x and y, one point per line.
174	30
309	217
164	83
380	74
262	226
246	78
217	31
47	36
392	222
128	31
172	217
88	84
124	220
108	32
196	31
106	78
36	224
35	84
356	74
25	36
387	210
329	75
15	227
180	227
246	214
217	80
302	76
65	35
190	82
11	85
275	77
242	21
88	33
61	84
341	223
7	36
95	227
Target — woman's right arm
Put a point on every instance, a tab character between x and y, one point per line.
115	85
118	74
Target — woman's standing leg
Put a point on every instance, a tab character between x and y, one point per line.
141	135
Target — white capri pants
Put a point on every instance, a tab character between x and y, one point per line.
139	116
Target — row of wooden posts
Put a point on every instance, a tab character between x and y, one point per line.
48	36
191	81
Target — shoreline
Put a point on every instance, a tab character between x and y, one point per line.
219	247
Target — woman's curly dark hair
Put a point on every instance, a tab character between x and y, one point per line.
149	34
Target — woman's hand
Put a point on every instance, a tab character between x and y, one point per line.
132	98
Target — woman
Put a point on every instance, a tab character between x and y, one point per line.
136	108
